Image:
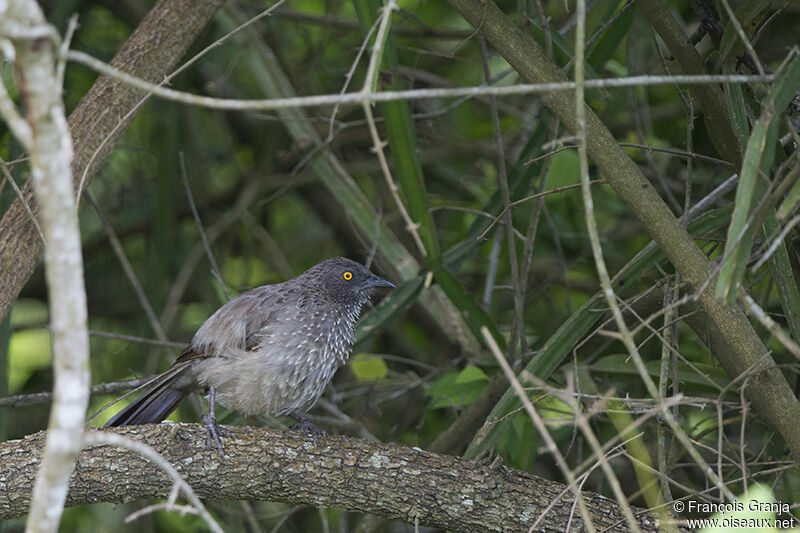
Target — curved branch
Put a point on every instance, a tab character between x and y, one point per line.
394	481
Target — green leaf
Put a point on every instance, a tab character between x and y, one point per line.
750	15
738	110
605	47
457	389
368	368
564	340
471	374
758	159
781	270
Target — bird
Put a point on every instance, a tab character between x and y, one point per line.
270	350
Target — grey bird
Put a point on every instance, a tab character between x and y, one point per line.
272	349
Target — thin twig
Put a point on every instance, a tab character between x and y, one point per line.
369	81
518	340
116	246
409	94
683	153
19	400
515	203
740	32
199	223
540	426
10	178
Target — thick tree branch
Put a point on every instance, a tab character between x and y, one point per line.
768	390
99	121
394	481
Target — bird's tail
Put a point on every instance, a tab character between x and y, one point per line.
158	401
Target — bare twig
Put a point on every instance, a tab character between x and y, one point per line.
410	94
214	268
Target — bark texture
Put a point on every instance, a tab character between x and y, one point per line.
394	481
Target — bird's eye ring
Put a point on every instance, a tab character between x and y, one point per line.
347	275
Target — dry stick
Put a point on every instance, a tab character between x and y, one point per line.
116	246
517	340
134	338
369	79
214	268
515	203
369	97
44	397
605	280
93	438
759	314
18	192
541	427
349	77
740	32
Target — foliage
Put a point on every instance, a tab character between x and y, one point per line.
272	204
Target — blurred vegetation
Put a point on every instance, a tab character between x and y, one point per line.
270	213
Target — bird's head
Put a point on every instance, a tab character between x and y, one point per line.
346	281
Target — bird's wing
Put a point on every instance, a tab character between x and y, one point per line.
237	324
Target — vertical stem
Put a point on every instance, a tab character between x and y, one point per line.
50	147
517	325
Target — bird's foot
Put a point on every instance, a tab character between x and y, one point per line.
304	425
214	433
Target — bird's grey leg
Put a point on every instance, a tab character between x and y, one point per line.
304	425
214	431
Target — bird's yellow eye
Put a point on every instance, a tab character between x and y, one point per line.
348	275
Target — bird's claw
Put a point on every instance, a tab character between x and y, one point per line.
214	433
304	425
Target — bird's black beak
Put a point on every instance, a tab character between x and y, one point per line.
375	281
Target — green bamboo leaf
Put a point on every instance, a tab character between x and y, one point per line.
564	340
619	364
750	16
618	413
793	196
758	159
781	270
606	46
738	111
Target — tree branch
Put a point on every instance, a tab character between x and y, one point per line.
394	481
50	149
99	121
